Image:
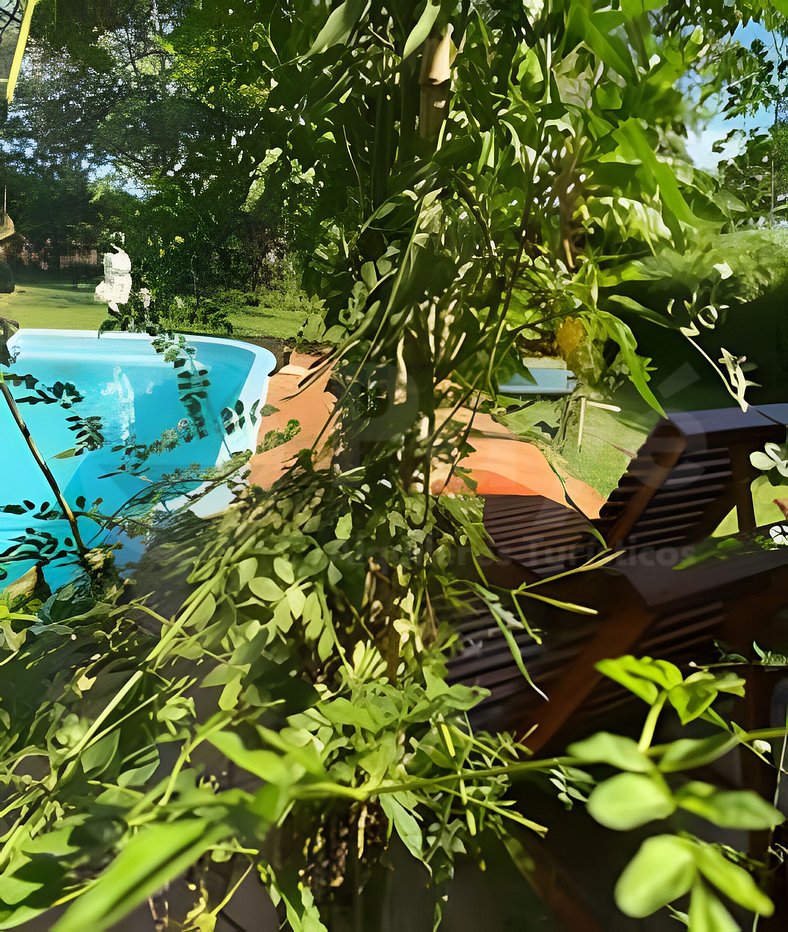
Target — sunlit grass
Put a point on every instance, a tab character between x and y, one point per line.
65	307
57	307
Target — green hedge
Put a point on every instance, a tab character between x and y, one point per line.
754	325
6	278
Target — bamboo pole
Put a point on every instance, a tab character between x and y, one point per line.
21	42
435	84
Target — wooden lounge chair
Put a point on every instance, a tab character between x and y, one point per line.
660	597
691	471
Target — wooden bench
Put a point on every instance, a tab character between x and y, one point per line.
692	470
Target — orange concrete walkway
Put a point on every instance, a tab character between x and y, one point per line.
312	407
501	463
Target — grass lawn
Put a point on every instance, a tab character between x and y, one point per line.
766	512
610	440
53	306
268	320
64	307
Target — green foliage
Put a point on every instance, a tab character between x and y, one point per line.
274	598
253	665
592	183
7	284
667	867
303	636
275	438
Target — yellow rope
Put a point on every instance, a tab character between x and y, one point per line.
16	64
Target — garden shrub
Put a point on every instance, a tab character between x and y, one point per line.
84	272
749	305
7	284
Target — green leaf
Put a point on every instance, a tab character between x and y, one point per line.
12	918
228	698
662	871
344	527
266	589
692	697
728	683
36	883
620	333
603	42
296	600
734	881
342	711
149	860
616	750
283	616
304	915
97	756
339	25
306	755
334	574
728	808
688	753
422	28
691	700
267	765
204	611
314	562
706	912
404	824
628	800
246	570
645	677
634	141
632	8
15	889
284	570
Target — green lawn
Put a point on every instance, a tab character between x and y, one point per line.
268	320
57	307
766	512
64	307
610	440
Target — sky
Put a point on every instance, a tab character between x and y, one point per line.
700	142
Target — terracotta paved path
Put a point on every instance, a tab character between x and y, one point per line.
501	463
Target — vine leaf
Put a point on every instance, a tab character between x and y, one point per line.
422	28
629	800
662	871
339	25
152	858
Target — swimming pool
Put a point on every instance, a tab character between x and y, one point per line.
134	390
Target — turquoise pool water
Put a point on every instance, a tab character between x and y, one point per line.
134	391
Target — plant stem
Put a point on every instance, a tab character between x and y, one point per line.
647	735
45	470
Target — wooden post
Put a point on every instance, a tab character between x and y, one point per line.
582	423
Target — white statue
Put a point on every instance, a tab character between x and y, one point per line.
116	287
